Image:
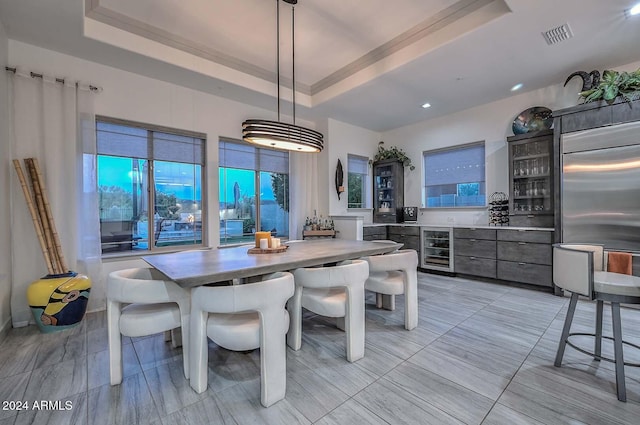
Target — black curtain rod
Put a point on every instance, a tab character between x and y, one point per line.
58	80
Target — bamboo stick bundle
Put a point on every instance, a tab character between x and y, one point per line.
40	191
37	196
34	216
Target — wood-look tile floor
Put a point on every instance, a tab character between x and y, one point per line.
482	354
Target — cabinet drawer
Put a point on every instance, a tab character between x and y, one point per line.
531	220
475	266
539	236
472	233
375	232
475	248
535	274
385	217
404	230
525	252
410	242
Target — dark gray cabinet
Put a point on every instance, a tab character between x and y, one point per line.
513	255
407	235
372	233
475	252
525	256
531	182
595	114
388	191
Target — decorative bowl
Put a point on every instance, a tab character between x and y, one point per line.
533	119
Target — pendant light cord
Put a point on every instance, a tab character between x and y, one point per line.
293	56
278	53
276	134
293	60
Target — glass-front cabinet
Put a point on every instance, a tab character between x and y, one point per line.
531	178
437	249
388	191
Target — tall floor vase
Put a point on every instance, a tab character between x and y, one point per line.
59	301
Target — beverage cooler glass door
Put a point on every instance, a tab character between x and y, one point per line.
437	249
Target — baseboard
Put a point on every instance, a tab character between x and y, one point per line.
4	330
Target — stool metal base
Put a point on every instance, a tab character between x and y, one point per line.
598	356
618	342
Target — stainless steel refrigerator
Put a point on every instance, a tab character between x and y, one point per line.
600	186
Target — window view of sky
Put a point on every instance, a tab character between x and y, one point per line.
245	180
170	177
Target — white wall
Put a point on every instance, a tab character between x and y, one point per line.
491	123
5	220
346	139
134	97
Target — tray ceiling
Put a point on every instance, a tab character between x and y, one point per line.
371	63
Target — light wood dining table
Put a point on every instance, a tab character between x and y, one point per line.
190	269
201	267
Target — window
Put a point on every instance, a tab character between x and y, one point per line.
454	177
254	192
149	186
357	181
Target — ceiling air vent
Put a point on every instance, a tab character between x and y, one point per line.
558	34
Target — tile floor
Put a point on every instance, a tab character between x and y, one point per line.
482	354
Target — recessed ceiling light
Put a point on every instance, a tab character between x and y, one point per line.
516	87
426	105
635	10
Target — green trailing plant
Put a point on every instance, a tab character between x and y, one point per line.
392	153
614	84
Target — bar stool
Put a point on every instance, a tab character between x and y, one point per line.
578	268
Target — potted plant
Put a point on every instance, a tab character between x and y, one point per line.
614	84
392	153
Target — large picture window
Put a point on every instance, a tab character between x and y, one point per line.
358	182
455	177
254	192
149	186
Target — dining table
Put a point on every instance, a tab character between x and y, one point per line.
237	265
206	266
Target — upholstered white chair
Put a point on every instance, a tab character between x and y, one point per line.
336	291
142	301
395	274
240	318
579	269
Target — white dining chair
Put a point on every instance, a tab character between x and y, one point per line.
140	302
241	318
336	291
395	274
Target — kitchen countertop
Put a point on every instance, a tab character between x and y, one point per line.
466	226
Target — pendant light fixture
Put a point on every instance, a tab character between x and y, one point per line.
277	134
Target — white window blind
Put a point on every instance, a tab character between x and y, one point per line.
455	177
126	141
358	164
246	157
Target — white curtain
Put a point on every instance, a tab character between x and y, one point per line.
54	123
303	189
